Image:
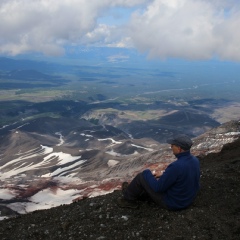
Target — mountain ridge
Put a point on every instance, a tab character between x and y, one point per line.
215	214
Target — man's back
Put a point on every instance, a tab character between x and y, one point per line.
179	183
182	192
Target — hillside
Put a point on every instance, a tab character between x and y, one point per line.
214	215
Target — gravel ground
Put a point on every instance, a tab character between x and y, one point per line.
214	215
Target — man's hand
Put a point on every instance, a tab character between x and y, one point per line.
156	170
156	173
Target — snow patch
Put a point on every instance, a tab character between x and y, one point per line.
111	139
115	154
148	149
61	141
112	163
45	199
61	157
86	135
6	194
64	170
230	134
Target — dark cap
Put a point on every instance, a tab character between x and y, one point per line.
182	141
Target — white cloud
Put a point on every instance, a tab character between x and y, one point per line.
47	25
118	58
44	25
193	29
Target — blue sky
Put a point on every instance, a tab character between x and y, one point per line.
160	29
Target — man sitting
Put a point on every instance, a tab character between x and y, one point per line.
175	189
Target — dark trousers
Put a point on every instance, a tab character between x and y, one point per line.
139	189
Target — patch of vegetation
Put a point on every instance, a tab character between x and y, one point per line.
41	115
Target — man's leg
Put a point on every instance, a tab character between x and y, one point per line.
138	187
135	189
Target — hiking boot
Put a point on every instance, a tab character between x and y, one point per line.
123	203
124	186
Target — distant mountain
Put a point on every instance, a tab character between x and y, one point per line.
11	64
182	119
27	78
31	75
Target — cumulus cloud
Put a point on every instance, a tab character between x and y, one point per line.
47	25
193	29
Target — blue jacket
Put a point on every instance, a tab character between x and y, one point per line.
179	183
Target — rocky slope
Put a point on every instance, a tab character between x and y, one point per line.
214	215
46	163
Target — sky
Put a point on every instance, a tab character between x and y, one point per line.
161	29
